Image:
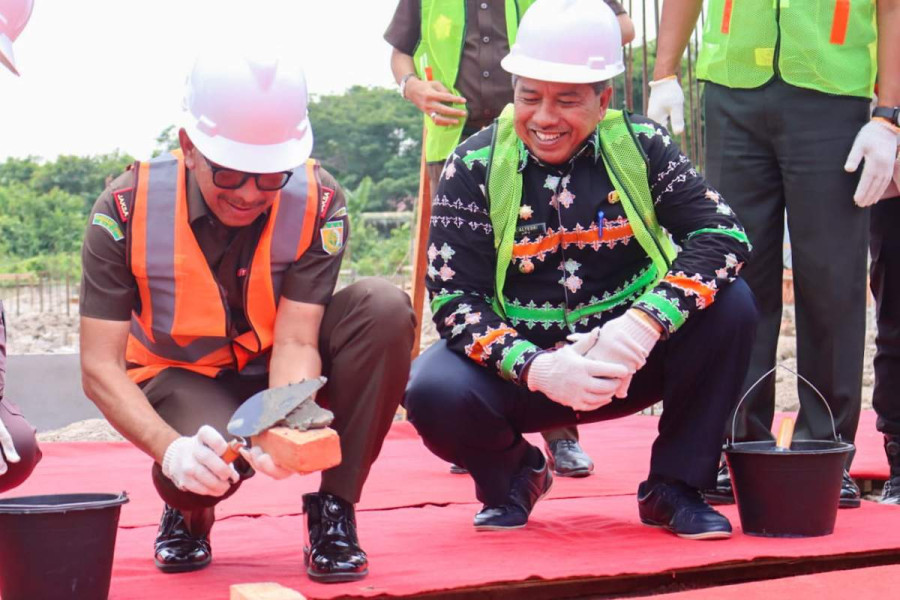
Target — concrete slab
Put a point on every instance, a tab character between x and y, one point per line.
47	387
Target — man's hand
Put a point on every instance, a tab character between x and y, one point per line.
9	449
568	378
667	102
877	143
431	97
627	341
194	464
260	460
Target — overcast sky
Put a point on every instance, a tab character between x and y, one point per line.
98	75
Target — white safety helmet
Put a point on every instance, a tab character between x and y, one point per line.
14	15
248	111
567	41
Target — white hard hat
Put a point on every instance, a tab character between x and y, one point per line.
248	111
567	41
14	15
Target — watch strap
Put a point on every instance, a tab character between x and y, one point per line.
889	113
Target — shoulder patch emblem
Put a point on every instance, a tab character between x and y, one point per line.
325	201
120	198
109	224
332	236
341	212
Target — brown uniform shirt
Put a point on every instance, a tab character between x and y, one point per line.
109	290
485	86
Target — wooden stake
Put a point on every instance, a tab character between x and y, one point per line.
420	263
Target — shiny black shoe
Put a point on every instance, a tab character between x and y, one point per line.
458	470
849	492
333	553
681	509
567	459
182	543
528	486
723	493
891	492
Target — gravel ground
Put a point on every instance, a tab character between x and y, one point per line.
55	332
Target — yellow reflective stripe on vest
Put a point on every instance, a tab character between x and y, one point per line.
625	164
443	28
825	46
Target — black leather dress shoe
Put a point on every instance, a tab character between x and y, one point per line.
723	493
567	459
182	543
891	492
458	470
849	492
333	553
528	486
681	509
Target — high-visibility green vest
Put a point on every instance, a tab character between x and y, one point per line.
443	35
626	166
824	45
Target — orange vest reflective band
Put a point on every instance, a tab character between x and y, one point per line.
183	318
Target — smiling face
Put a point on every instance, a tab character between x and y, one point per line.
234	208
553	119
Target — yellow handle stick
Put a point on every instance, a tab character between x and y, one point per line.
785	434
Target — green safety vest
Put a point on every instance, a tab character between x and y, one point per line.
626	166
443	35
829	46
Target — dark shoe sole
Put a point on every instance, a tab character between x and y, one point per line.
849	503
706	535
577	473
336	577
182	568
718	499
457	470
511	527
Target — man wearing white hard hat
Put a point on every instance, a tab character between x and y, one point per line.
209	275
559	296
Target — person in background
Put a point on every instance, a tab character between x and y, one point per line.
572	245
788	122
462	42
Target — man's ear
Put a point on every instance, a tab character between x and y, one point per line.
187	148
605	99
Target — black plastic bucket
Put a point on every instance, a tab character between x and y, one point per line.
58	546
787	493
791	493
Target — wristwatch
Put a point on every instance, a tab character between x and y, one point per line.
403	81
888	113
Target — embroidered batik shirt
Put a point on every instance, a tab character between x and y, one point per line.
576	263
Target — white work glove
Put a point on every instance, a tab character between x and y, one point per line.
568	378
194	464
667	102
9	449
626	340
877	143
261	461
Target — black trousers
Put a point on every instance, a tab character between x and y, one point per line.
365	343
470	416
885	282
781	148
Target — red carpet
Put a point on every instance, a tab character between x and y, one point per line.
874	582
415	522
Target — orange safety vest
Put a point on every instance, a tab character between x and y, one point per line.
183	318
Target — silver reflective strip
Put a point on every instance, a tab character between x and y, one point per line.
288	227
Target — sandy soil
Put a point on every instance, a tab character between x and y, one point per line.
55	332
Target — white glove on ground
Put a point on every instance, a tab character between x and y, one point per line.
667	102
877	143
194	464
568	378
9	449
260	460
626	340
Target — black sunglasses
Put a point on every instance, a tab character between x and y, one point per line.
230	179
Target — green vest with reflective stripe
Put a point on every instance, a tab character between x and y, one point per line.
829	46
443	35
626	166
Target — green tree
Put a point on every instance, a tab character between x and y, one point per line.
82	176
370	132
166	140
18	170
33	224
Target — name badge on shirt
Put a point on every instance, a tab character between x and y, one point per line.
531	229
